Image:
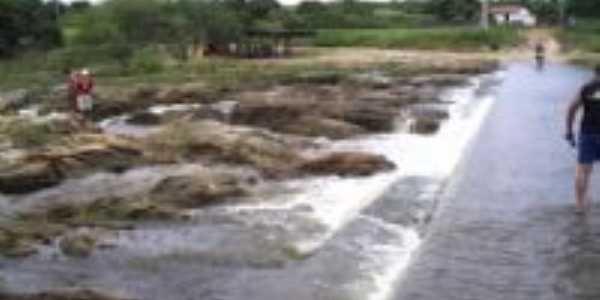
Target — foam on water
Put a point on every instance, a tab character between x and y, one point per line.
336	200
162	109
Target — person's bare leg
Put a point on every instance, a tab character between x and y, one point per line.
582	180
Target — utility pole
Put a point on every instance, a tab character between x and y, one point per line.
485	14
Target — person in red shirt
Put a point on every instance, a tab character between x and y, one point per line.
84	88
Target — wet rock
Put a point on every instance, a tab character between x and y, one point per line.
316	127
64	294
425	126
374	80
199	190
26	133
427	94
105	210
218	112
21	251
224	109
432	112
145	92
183	94
144	118
270	113
14	99
348	164
387	99
75	156
439	80
14	245
19	238
78	244
371	117
86	153
232	144
28	178
285	108
316	77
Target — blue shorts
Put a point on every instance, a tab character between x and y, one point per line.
589	148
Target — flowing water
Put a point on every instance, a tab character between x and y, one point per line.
505	228
324	238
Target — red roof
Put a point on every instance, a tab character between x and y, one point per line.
506	8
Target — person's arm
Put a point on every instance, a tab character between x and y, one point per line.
574	106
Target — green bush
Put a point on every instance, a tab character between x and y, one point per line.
146	61
440	38
584	36
26	134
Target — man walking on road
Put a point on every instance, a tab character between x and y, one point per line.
589	137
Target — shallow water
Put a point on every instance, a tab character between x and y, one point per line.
505	228
322	238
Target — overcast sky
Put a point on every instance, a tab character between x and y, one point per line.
286	2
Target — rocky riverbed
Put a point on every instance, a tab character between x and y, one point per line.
160	165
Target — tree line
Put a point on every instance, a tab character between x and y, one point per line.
119	25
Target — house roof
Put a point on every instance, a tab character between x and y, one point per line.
506	8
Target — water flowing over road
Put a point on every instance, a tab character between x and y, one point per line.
480	210
505	228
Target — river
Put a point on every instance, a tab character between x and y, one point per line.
480	210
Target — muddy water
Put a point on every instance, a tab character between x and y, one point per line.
506	228
323	238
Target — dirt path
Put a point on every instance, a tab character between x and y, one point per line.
365	56
541	35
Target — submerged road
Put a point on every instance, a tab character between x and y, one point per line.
505	228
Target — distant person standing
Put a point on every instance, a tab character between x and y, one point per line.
84	88
589	137
540	54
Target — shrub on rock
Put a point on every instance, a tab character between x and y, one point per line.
64	294
348	164
425	126
199	190
78	245
28	178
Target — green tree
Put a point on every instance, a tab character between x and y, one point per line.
584	8
455	10
27	24
310	7
139	21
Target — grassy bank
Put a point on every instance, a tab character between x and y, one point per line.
585	36
431	39
47	69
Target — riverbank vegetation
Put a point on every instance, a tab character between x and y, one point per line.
584	36
163	41
437	39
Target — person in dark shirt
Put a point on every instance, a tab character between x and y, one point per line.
540	54
588	143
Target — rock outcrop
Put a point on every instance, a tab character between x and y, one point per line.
287	109
23	179
198	190
78	244
269	153
64	294
348	164
76	155
424	126
326	127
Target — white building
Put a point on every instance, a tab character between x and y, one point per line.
512	15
